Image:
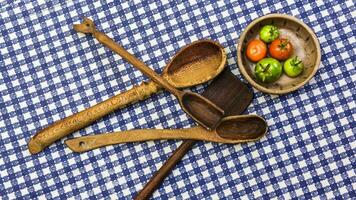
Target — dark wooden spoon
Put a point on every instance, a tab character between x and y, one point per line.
232	130
230	94
198	107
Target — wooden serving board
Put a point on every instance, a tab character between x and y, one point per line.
229	93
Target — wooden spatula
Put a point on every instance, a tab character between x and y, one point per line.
227	92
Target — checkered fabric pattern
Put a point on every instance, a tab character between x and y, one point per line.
48	72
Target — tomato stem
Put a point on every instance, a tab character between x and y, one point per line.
273	30
296	61
284	43
266	68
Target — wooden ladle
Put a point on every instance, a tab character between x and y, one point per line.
231	130
194	64
202	110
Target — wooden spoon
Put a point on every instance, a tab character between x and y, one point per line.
226	91
194	64
231	130
202	110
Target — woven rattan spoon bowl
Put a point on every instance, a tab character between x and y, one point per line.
231	130
188	67
202	110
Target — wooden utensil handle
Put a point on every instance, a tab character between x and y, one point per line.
82	119
166	168
88	26
86	143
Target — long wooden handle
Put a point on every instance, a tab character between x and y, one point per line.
232	130
88	26
82	119
166	168
86	143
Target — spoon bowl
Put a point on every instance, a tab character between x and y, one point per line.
231	130
196	63
244	127
201	109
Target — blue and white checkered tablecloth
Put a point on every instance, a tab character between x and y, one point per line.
48	72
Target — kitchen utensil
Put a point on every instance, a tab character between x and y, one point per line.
230	94
231	130
305	44
198	107
194	64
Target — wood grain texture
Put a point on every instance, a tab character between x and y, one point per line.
82	119
225	83
196	63
180	72
202	110
232	130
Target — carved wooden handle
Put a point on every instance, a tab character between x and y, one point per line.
88	26
86	143
82	119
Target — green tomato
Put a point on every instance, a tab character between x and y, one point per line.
269	33
293	67
268	70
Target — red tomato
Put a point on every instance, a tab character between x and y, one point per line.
281	49
256	50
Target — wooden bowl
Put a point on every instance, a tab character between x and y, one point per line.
305	45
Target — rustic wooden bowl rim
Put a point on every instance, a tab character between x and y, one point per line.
261	87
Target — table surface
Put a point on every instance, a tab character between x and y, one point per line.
48	72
